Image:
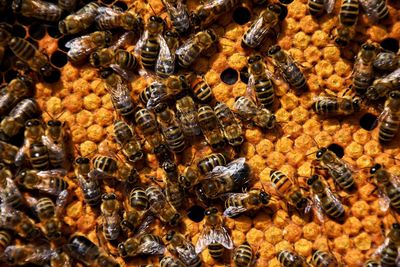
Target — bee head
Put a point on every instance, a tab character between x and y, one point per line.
54	123
395	95
94	59
169	166
253	59
264	197
108	196
375	168
321	152
49	73
156	24
312	179
122	250
368	47
107	37
82	160
170	235
301	204
27	80
32	123
172	34
274	50
175	219
396	226
357	103
211	211
275	8
341	41
212	35
106	72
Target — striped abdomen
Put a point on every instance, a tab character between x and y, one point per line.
282	183
323	259
202	91
243	256
264	91
394	195
149	53
186	59
208	163
39	156
105	164
216	250
316	7
389	128
332	209
295	77
389	255
343	176
174	138
323	107
349	12
58	184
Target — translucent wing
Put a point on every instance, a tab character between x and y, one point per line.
318	209
126	74
229	169
246	112
216	235
151	248
204	239
370	8
80	45
329	5
237	210
256	34
145	223
234	211
186	46
379	250
384	202
107	11
187	252
124	40
166	59
393	77
140	43
54	172
29	254
158	95
99	175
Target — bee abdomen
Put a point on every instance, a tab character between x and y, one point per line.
382	9
388	129
208	163
296	78
346	180
138	199
281	181
216	250
322	107
389	255
335	211
361	82
149	53
5	239
265	92
323	259
349	12
39	156
316	7
243	256
203	92
394	195
175	138
22	48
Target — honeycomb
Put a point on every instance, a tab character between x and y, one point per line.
80	99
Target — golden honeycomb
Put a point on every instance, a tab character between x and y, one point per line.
80	99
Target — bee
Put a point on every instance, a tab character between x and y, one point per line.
344	35
37	9
208	12
51	182
38	153
266	21
208	163
201	90
260	81
291	192
8	153
323	259
363	74
238	203
57	140
165	65
135	215
81	47
36	60
145	95
385	181
178	14
128	141
189	178
138	199
17	221
187	115
119	90
5	36
160	206
68	5
60	259
210	127
381	87
5	239
15	121
172	86
371	263
188	52
288	68
336	106
110	207
231	128
317	7
249	111
80	20
150	44
146	244
387	61
243	256
214	235
27	255
290	259
89	186
337	168
234	177
112	18
16	90
389	250
170	128
171	262
83	250
390	118
375	9
120	60
326	200
9	192
178	245
147	124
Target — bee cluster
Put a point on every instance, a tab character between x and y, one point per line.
177	154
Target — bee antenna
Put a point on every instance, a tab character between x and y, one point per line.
311	153
152	9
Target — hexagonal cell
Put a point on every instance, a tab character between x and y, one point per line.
337	149
241	15
62	41
196	213
59	59
229	76
390	44
244	75
368	121
37	31
53	31
18	31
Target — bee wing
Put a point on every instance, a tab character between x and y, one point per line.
140	43
107	11
221	236
226	170
53	147
99	175
384	201
165	54
185	47
127	75
393	77
250	92
124	40
151	247
379	250
187	253
80	45
147	221
158	94
54	172
318	209
43	9
39	255
237	210
258	31
329	5
370	9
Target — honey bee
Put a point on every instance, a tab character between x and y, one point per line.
260	81
238	203
189	178
288	68
375	9
387	61
389	249
83	250
16	90
390	118
188	52
15	121
146	244
266	21
249	111
234	177
171	262
231	128
214	235
37	9
187	115
138	199
326	200
5	36
208	163
57	140
112	18
290	259
381	87
80	20
317	7
119	91
89	186
178	245
60	259
27	255
337	168
371	263
68	5
387	184
147	124
165	65
291	192
210	127
51	182
323	259
128	141
17	221
170	128
7	153
104	167
81	47
150	43
111	220
178	14
132	220
201	90
9	192
244	256
5	239
208	12
344	35
336	106
160	206
363	74
35	59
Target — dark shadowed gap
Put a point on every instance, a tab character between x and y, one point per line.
368	121
196	213
59	59
229	76
390	44
241	15
338	150
37	31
